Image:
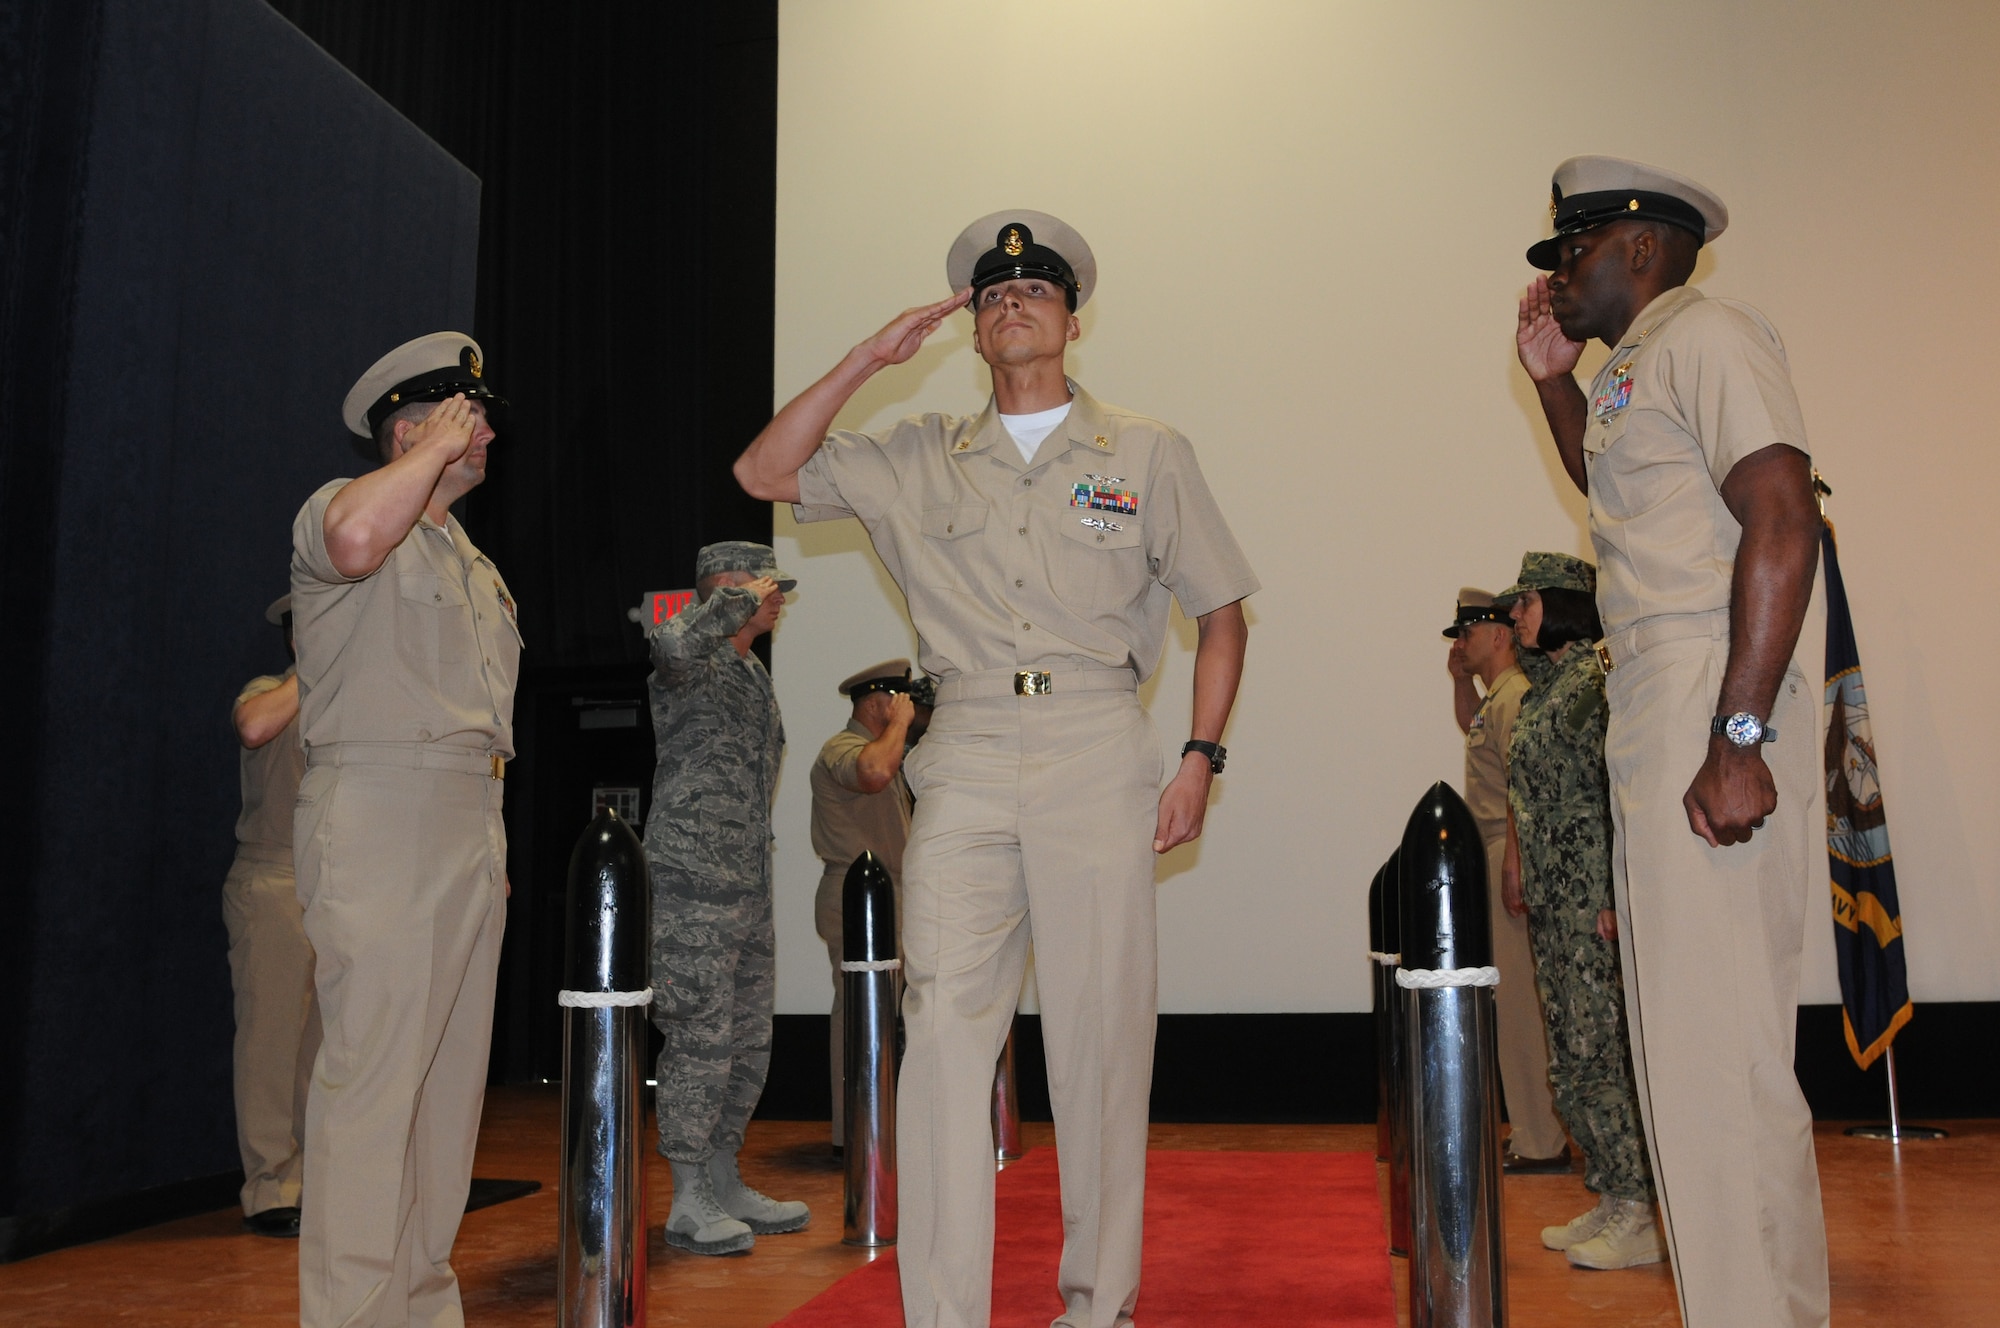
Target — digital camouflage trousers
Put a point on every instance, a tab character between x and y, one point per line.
713	974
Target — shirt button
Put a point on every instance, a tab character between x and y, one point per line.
1027	484
1100	539
1019	584
1022	531
1027	627
949	529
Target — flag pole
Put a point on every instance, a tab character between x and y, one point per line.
1895	1131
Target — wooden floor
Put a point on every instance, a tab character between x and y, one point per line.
1915	1240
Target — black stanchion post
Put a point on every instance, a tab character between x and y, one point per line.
869	960
1458	1261
1395	1103
601	1249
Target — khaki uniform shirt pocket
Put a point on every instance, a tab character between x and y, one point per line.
426	605
1099	569
941	563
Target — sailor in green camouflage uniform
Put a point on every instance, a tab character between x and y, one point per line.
1559	797
717	738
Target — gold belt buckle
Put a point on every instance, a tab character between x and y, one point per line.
1603	649
1032	682
499	767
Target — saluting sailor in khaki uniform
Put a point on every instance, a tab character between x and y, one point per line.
860	805
1692	450
270	960
407	654
1039	544
1482	646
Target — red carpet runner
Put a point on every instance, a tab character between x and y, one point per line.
1248	1240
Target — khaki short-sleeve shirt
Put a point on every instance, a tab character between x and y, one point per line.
270	777
1486	745
1066	560
1695	386
426	648
845	820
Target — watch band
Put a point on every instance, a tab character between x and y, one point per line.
1215	752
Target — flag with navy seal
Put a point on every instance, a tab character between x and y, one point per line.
1867	918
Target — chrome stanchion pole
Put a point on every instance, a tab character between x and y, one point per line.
601	1246
869	963
1007	1105
1458	1266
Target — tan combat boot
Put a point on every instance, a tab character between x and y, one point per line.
1579	1229
1631	1238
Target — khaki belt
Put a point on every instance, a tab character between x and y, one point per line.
1622	647
1034	682
410	756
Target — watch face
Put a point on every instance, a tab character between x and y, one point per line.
1743	729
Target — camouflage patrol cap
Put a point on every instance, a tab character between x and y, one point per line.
1474	606
741	556
923	690
1550	571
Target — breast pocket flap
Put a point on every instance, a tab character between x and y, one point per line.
954	522
1126	535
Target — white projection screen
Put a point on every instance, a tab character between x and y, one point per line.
1309	220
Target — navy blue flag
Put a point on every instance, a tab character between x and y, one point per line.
1867	919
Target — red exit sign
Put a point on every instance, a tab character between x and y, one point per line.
664	604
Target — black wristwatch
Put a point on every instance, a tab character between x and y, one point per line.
1214	751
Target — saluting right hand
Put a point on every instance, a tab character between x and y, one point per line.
448	429
1544	350
1455	663
761	587
908	331
902	710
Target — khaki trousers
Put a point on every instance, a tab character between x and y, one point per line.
1522	1031
827	921
277	1023
1710	941
401	875
1033	815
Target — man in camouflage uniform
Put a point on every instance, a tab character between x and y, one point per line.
1561	837
717	739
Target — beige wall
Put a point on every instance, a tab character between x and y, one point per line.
1309	219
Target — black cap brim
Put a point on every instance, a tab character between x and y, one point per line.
419	393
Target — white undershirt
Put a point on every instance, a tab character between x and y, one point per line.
1027	431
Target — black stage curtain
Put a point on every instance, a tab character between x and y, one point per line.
627	154
624	278
197	218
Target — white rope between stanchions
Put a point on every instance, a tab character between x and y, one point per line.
869	965
1385	960
1429	979
602	1000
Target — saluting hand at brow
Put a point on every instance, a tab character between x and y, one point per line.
908	331
1545	351
448	428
